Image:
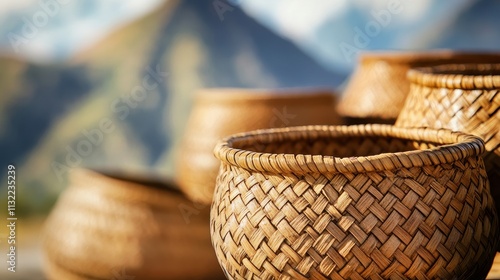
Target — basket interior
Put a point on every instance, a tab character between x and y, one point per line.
351	146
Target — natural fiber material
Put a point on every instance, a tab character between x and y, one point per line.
353	202
107	227
378	87
459	97
218	113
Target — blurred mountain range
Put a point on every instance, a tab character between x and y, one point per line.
123	103
334	32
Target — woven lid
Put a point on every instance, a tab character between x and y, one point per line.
453	146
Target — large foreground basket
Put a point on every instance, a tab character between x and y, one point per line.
108	227
459	97
353	202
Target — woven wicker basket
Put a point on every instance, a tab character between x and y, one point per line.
353	202
218	113
378	87
459	97
107	227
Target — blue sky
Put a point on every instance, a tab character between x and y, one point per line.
45	30
48	30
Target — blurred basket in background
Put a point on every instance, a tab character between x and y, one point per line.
105	226
377	89
220	112
353	202
462	97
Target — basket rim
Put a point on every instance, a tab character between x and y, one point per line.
445	76
406	57
456	146
126	187
217	95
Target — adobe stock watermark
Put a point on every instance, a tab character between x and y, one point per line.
280	118
223	6
363	36
94	137
32	25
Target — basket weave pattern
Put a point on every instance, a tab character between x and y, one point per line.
468	102
411	214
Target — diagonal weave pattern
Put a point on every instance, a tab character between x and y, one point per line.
459	97
420	214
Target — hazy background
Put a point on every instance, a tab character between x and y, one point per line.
67	66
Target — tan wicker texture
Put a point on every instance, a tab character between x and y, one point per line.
353	202
459	97
107	227
218	113
378	87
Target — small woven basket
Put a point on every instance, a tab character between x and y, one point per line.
108	227
218	113
378	87
459	97
353	202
